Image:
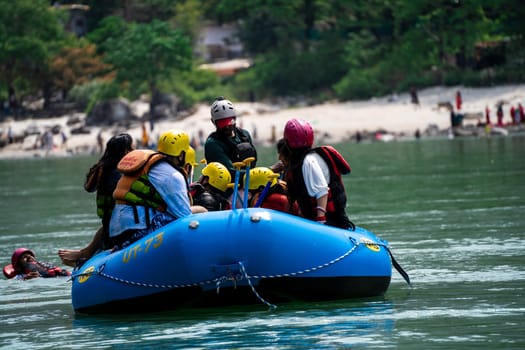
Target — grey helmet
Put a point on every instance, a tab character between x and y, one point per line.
222	109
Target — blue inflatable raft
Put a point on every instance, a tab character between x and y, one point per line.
244	256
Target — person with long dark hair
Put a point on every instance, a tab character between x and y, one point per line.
102	177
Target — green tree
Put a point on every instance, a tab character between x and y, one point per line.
148	53
30	34
98	10
298	45
272	25
188	18
398	43
109	27
76	66
445	31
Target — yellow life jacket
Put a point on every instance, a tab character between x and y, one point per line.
134	187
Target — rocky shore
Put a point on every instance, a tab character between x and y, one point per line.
383	119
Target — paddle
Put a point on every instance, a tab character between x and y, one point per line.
248	162
398	267
264	193
237	166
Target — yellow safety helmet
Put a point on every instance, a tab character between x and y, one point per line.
218	174
260	176
173	142
190	158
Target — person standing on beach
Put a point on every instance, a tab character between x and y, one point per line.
313	176
459	100
102	177
413	96
47	141
499	114
100	142
63	136
228	143
512	113
516	114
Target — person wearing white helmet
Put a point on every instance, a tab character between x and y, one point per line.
153	189
228	143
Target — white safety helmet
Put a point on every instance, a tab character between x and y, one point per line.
222	109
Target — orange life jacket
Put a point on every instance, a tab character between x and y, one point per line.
134	187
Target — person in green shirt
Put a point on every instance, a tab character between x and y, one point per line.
228	143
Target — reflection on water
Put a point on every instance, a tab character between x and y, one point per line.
290	326
451	210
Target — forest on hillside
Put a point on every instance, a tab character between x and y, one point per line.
310	49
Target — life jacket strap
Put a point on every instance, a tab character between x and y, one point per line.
135	214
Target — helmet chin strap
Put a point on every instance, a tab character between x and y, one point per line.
182	158
177	160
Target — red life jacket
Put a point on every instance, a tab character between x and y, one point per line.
336	192
44	270
277	198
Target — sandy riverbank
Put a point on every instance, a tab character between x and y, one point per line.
333	122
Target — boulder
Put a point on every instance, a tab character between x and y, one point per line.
111	112
166	106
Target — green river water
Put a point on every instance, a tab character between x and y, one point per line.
453	212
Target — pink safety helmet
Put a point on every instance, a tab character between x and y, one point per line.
298	133
17	254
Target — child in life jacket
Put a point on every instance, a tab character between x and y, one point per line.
25	266
212	189
267	191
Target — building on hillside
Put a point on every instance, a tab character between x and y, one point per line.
228	67
77	21
219	43
221	49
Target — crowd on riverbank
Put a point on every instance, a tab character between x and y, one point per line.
388	118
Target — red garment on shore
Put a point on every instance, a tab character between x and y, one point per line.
512	110
459	101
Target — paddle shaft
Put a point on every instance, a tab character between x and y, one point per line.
248	163
266	189
263	194
237	166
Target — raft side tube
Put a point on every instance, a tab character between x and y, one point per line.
278	251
